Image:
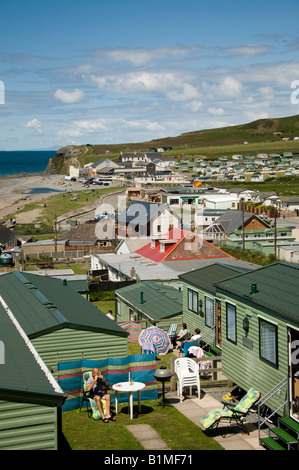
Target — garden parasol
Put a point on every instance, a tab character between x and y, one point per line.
158	337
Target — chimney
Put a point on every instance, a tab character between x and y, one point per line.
141	297
253	289
133	273
64	282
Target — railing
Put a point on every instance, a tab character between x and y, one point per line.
262	403
208	338
213	371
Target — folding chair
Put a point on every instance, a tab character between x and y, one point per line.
172	330
92	408
236	413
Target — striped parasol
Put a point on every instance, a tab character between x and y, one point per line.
158	337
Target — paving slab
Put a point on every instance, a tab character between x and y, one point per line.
147	436
195	409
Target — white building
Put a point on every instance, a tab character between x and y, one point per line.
220	201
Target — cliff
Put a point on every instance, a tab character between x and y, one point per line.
64	157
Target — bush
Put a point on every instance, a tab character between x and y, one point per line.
98	296
250	256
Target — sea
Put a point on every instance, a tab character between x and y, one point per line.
25	161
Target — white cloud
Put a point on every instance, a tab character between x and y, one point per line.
216	111
251	116
72	132
110	127
34	124
279	74
140	56
226	88
249	50
172	85
185	92
69	97
194	106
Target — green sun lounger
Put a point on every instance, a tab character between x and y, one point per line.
236	413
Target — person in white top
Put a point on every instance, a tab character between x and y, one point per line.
193	338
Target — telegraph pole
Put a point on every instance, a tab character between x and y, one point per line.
275	217
55	236
243	238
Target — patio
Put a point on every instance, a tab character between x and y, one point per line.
195	409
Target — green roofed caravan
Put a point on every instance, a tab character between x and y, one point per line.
59	322
260	324
155	302
30	398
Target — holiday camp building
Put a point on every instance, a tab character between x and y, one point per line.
155	303
30	398
59	322
252	317
261	325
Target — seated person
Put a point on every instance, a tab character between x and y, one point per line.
193	339
183	334
97	387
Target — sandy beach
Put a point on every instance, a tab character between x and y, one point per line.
18	191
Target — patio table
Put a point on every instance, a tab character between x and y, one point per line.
130	388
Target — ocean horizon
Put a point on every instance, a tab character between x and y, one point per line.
16	162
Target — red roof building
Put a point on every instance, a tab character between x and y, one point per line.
180	244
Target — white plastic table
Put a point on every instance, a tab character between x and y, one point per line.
127	387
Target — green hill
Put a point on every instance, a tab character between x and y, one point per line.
262	130
261	136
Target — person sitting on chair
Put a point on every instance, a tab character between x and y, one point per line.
97	387
193	338
183	333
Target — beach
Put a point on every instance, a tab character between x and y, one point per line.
19	190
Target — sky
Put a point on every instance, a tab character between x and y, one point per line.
78	72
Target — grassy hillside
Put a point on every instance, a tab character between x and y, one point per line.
262	136
260	131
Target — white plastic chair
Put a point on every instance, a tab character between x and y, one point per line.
187	372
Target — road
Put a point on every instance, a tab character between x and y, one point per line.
107	202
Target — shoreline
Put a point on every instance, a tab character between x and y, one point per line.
15	192
22	175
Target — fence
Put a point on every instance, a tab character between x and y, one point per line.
141	368
106	285
208	367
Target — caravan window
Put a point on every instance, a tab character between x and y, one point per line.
268	342
117	307
231	323
209	308
192	301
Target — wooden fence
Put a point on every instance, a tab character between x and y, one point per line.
214	372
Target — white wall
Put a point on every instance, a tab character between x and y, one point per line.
221	203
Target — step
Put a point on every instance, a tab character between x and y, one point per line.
271	443
216	350
291	424
209	353
284	435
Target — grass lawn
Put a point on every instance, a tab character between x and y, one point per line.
78	268
105	306
179	433
63	203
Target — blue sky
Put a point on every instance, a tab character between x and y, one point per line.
77	72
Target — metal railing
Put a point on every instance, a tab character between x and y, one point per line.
262	404
208	338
